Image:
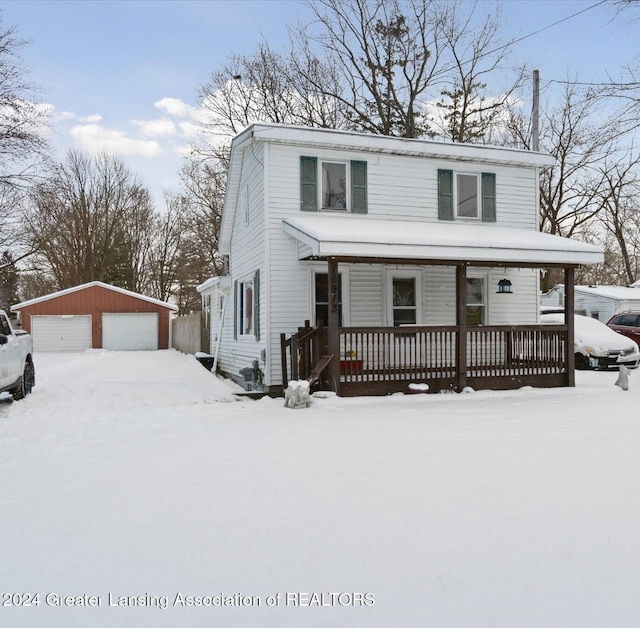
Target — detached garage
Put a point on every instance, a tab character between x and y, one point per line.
99	316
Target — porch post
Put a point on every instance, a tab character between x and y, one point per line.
333	336
569	320
461	322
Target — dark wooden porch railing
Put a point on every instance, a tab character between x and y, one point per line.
381	360
301	352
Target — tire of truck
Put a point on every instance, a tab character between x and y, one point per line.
29	377
25	384
19	392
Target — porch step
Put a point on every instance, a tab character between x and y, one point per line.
314	376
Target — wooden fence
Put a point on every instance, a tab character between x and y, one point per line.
190	333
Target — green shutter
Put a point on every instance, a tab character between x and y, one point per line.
359	187
309	184
445	194
256	304
236	309
488	197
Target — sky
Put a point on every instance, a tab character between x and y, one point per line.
124	76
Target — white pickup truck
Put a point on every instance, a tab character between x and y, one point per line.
17	374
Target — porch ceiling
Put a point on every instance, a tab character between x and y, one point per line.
350	236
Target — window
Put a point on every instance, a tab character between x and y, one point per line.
321	300
466	196
476	302
404	298
333	185
4	326
247	307
245	310
628	320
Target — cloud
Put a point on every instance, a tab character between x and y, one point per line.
94	139
189	129
180	109
175	107
160	127
61	116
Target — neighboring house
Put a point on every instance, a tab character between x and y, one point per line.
418	258
96	315
600	302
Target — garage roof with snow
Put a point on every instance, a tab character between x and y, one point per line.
84	286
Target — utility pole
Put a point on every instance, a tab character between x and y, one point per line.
535	115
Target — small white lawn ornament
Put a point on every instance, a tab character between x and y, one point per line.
297	395
623	378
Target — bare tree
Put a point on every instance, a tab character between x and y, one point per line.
88	221
372	66
476	54
22	120
165	253
620	214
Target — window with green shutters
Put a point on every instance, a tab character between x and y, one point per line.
246	321
466	196
327	185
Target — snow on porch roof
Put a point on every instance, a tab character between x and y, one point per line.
364	236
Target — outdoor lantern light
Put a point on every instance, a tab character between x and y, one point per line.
504	287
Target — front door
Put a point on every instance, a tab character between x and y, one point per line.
404	309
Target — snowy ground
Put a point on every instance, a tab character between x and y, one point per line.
134	478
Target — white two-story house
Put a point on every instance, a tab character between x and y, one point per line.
398	261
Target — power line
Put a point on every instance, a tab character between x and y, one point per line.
544	28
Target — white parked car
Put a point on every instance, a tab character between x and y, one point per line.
17	374
597	346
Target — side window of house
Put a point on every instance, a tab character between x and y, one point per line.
247	307
327	185
321	302
476	301
466	196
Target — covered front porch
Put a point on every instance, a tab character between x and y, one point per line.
428	358
356	360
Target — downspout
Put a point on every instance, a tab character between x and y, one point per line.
219	335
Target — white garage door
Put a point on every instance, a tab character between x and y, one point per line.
130	332
61	333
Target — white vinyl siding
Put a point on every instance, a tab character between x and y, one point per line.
61	333
247	255
398	187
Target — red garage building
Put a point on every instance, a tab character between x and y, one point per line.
99	316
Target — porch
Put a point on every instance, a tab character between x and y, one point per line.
471	351
384	360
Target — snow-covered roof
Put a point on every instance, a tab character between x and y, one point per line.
619	293
84	286
325	139
364	236
332	138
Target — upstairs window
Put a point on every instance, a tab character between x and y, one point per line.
334	185
327	185
467	195
463	196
